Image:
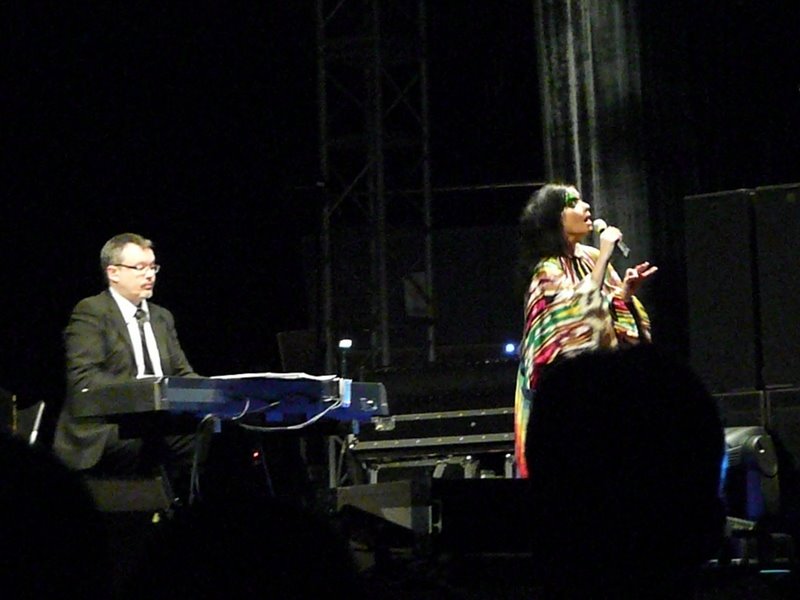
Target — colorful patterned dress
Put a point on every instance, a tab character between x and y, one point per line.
566	314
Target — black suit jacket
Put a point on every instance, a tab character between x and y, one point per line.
99	352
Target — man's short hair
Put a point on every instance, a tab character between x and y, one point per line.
112	249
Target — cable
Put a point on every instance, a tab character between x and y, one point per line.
295	427
200	447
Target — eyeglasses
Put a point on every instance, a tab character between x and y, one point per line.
141	269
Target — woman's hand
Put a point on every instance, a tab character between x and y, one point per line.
609	239
634	277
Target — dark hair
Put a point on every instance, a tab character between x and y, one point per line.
541	232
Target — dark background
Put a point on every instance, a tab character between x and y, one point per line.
195	125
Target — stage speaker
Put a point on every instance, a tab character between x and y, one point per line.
783	422
742	409
777	224
742	270
480	516
721	279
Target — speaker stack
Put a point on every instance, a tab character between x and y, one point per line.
743	287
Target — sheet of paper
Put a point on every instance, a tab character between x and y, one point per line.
291	376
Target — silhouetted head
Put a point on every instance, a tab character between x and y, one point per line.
247	548
53	539
624	451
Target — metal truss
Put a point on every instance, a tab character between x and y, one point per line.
374	165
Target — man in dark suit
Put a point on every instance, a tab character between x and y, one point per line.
114	337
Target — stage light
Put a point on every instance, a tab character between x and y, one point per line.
344	345
750	474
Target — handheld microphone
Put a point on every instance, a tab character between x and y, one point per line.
599	226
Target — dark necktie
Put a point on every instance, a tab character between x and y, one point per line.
141	319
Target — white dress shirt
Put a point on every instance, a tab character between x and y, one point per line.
128	310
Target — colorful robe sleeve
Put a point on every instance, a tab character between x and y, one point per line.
565	316
556	324
630	319
562	317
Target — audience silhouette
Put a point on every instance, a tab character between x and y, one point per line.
247	547
54	543
625	451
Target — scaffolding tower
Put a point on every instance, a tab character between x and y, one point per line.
374	165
